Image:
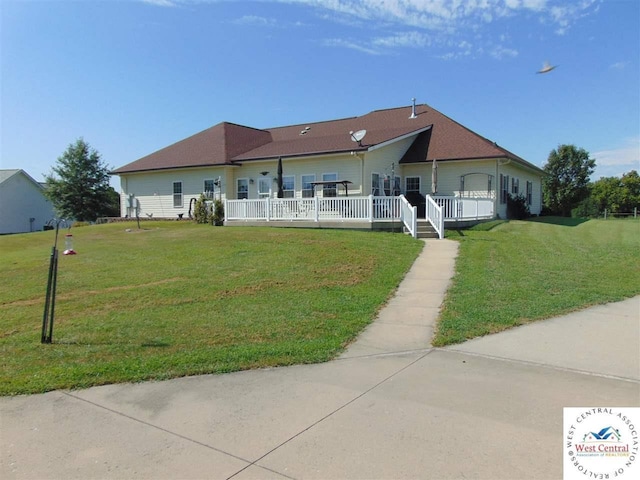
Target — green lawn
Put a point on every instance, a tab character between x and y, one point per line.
176	298
511	273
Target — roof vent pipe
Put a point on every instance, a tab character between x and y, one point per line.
413	109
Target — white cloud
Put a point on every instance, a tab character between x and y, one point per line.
406	39
619	65
617	160
160	3
338	42
445	20
255	21
428	23
501	52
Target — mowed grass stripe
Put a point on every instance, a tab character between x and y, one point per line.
522	271
176	298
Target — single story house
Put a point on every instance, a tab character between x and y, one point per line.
23	206
414	151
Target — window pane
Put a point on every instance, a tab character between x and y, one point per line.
177	194
329	190
307	188
243	188
264	187
412	184
375	184
208	188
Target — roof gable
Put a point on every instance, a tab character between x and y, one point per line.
6	175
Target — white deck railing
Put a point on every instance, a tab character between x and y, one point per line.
359	209
409	215
435	215
316	209
456	208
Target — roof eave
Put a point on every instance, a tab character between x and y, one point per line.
119	172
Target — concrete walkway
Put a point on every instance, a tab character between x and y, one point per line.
390	407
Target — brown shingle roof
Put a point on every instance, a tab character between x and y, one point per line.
214	146
227	143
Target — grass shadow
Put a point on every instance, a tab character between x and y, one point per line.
562	221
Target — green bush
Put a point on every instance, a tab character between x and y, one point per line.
201	211
217	218
588	208
517	208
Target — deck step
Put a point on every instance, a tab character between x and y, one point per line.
425	230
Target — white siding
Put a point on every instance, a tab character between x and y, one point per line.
20	200
348	167
153	191
383	160
476	184
515	171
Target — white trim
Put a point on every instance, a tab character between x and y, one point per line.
173	194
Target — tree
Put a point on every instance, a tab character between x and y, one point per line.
567	181
618	195
78	186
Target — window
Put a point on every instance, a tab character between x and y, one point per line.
177	194
264	187
412	184
515	186
504	188
387	186
529	193
396	186
288	186
329	189
386	182
375	185
209	188
243	188
307	188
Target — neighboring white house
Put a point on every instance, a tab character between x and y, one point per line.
23	206
383	153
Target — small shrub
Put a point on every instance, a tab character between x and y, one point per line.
217	217
517	207
201	211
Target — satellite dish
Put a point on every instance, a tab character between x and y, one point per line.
358	136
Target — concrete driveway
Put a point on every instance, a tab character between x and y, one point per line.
390	407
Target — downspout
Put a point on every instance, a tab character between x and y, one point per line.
497	186
505	161
362	174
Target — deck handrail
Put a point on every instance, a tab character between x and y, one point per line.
434	214
465	208
366	209
409	216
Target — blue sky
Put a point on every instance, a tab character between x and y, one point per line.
133	76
